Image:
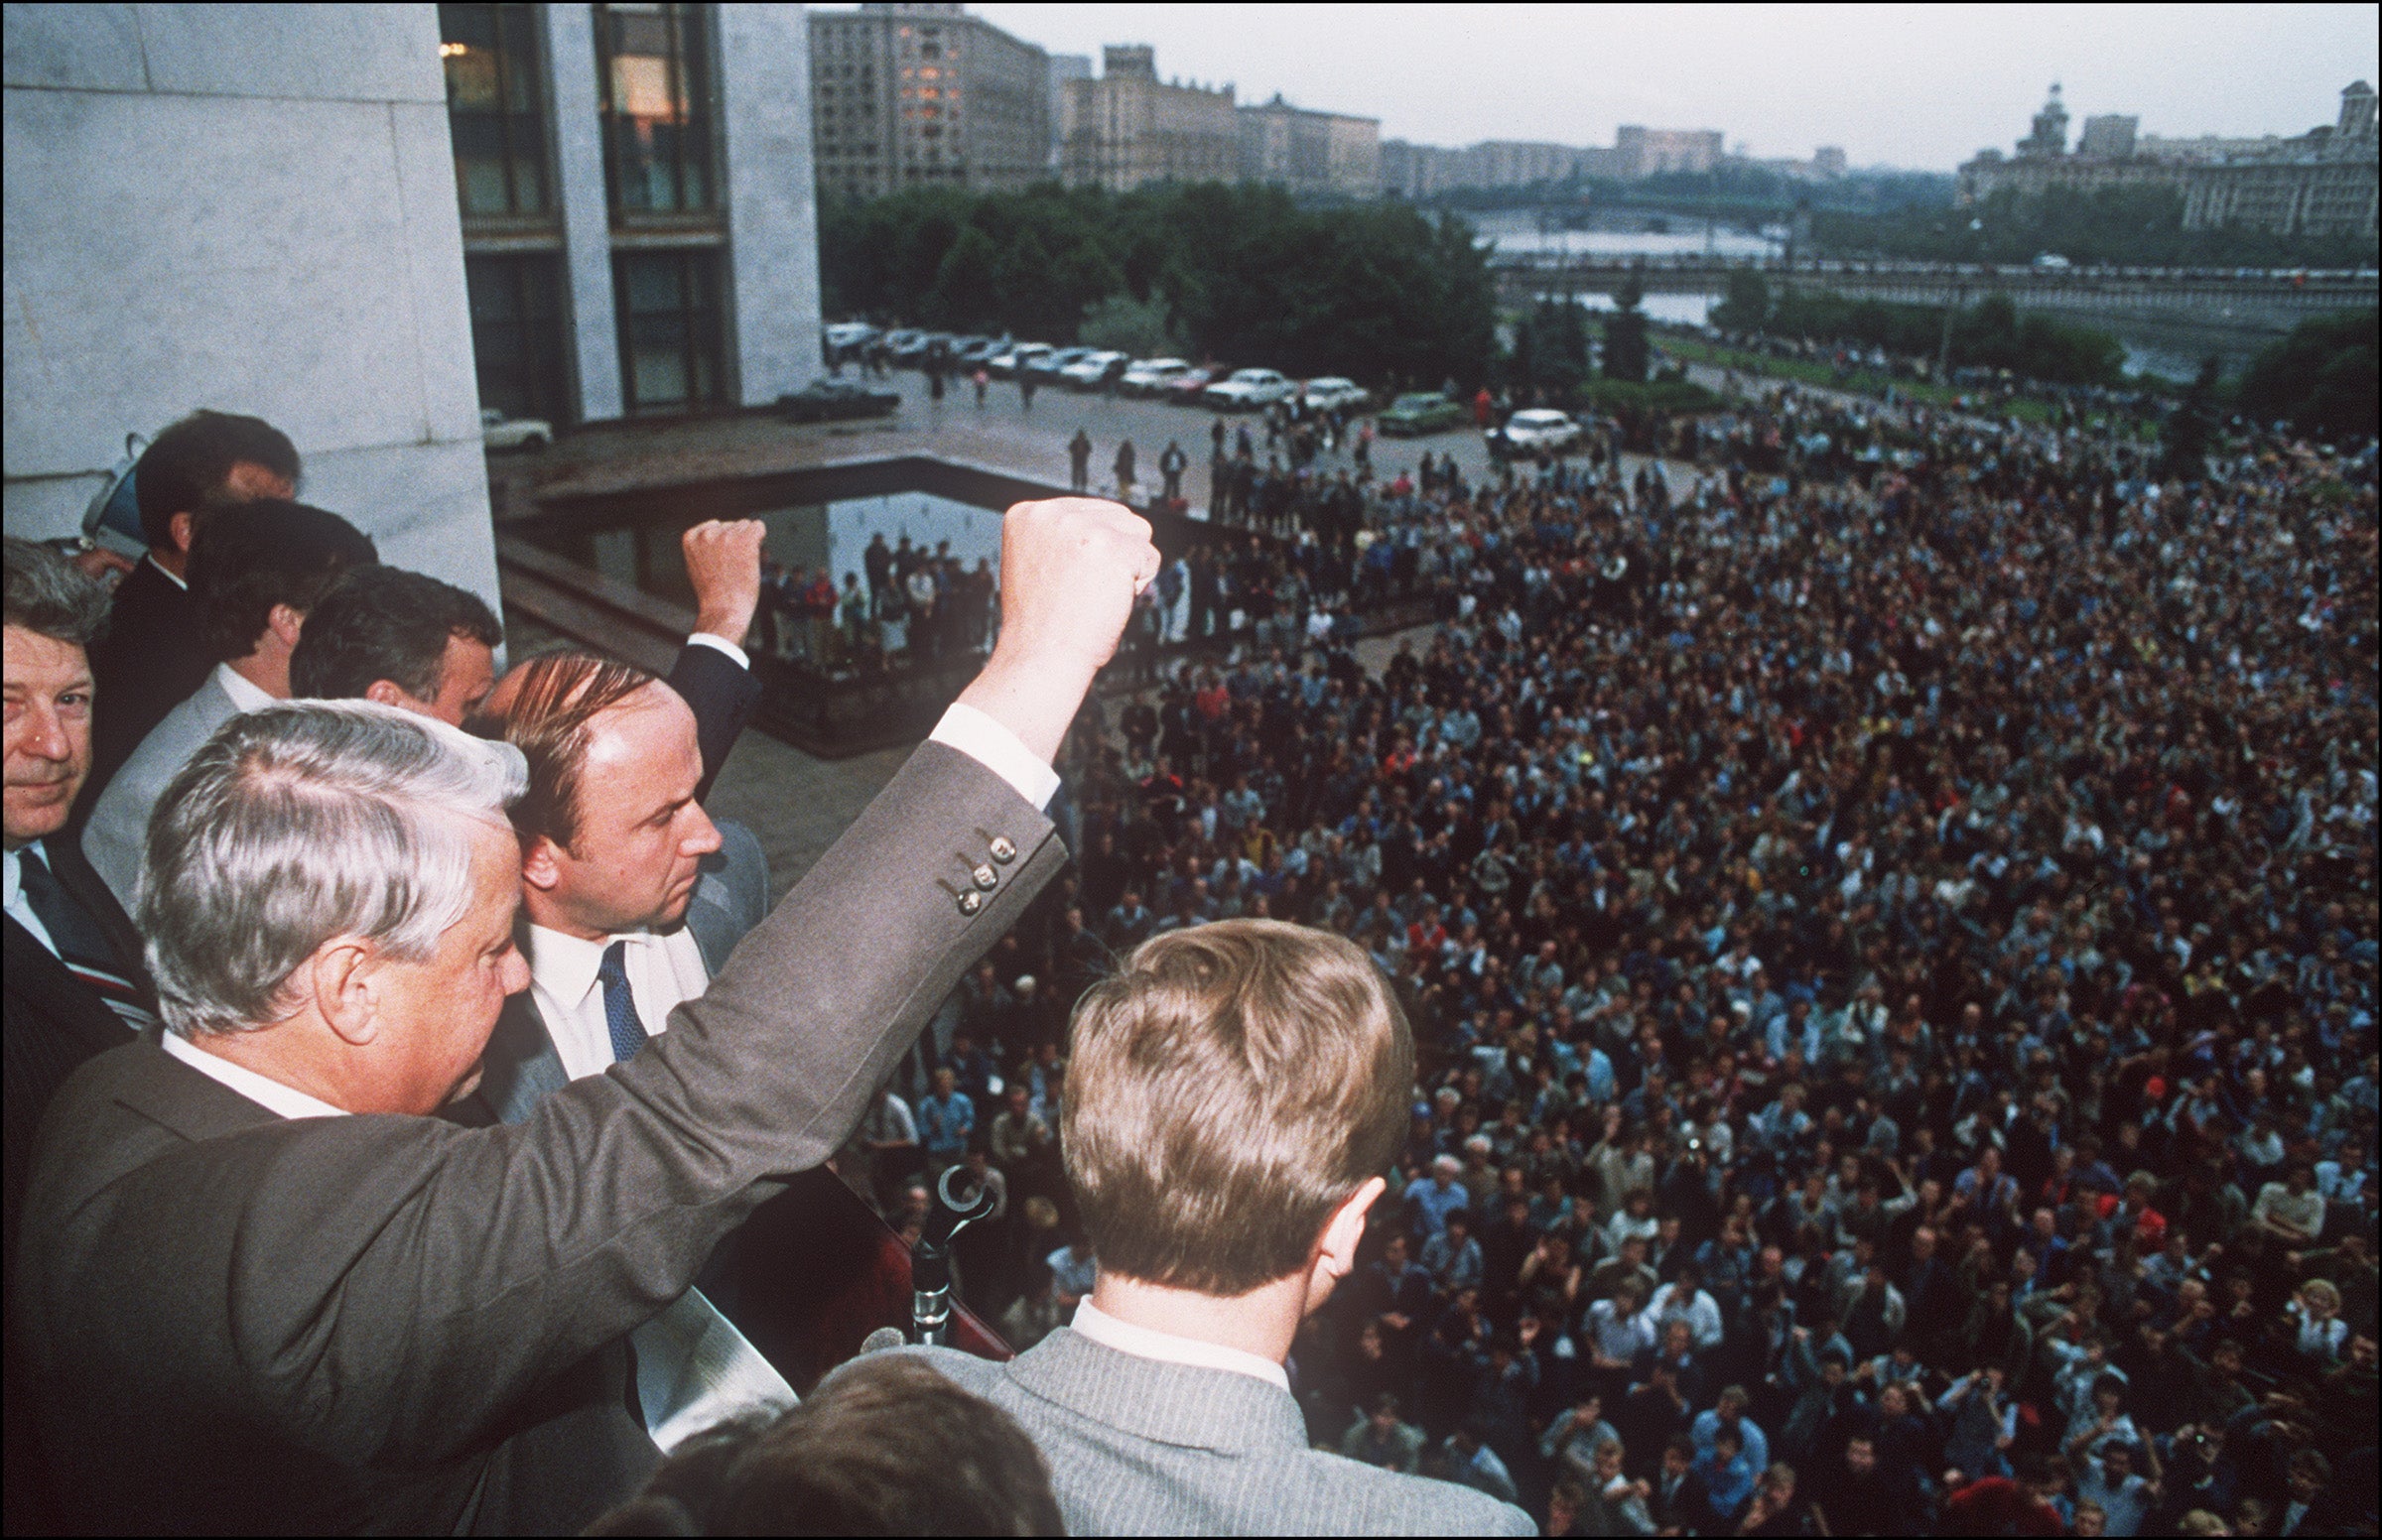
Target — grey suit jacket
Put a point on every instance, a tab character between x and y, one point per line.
1137	1447
730	898
242	1324
116	840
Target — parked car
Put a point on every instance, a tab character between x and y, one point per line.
1249	389
1150	376
1009	362
1094	369
1333	391
832	401
1047	368
846	338
904	341
1186	388
1533	430
498	432
969	351
1421	412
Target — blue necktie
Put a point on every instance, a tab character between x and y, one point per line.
619	1010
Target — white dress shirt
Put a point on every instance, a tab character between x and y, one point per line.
271	1094
184	584
664	972
1143	1343
244	693
12	888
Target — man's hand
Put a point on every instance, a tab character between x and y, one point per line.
1070	571
723	562
101	564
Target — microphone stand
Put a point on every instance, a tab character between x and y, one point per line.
930	1256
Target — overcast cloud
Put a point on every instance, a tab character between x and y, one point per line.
1918	87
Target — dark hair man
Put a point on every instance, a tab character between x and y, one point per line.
245	1311
1232	1095
402	640
886	1447
262	567
149	660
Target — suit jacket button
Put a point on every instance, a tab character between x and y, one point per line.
986	878
1003	850
971	901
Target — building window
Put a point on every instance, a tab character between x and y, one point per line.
517	334
668	303
654	77
495	109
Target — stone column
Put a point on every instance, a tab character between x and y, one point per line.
593	336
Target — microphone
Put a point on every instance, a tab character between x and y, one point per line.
930	1256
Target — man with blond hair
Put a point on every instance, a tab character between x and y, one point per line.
1234	1096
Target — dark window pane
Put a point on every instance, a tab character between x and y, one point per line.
653	75
517	334
669	325
495	108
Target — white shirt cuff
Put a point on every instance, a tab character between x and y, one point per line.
707	639
998	750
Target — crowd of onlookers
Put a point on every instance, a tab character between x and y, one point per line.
1887	906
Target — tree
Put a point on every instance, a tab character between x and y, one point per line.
1550	349
964	294
1627	353
2320	379
1747	308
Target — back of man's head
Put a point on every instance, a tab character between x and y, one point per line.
383	624
1229	1089
259	556
886	1447
195	465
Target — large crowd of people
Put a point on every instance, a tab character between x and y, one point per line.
1829	990
1887	908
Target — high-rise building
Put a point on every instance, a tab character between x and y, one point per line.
1648	152
1064	69
922	95
1310	152
2320	182
1128	128
639	232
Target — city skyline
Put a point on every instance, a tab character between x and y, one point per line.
1867	80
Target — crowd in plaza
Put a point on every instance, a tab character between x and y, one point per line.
1887	909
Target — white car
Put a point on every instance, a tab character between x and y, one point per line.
1333	391
1249	388
1538	430
1011	362
849	333
1089	371
498	432
1149	376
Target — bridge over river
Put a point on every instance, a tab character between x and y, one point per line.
2219	300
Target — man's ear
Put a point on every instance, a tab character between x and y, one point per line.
541	864
341	975
1336	1248
180	528
390	693
285	623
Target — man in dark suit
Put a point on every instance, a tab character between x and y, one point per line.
247	1311
151	659
74	987
1234	1096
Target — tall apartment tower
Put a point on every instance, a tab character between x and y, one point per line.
1128	127
925	95
639	234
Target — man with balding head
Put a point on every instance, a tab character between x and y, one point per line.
632	895
245	1310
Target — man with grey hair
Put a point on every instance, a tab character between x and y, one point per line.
75	985
245	1311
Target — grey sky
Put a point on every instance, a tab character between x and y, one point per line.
1919	86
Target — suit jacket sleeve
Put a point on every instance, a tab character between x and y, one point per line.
721	695
396	1285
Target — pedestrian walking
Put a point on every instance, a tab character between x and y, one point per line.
1124	470
1170	469
1079	460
